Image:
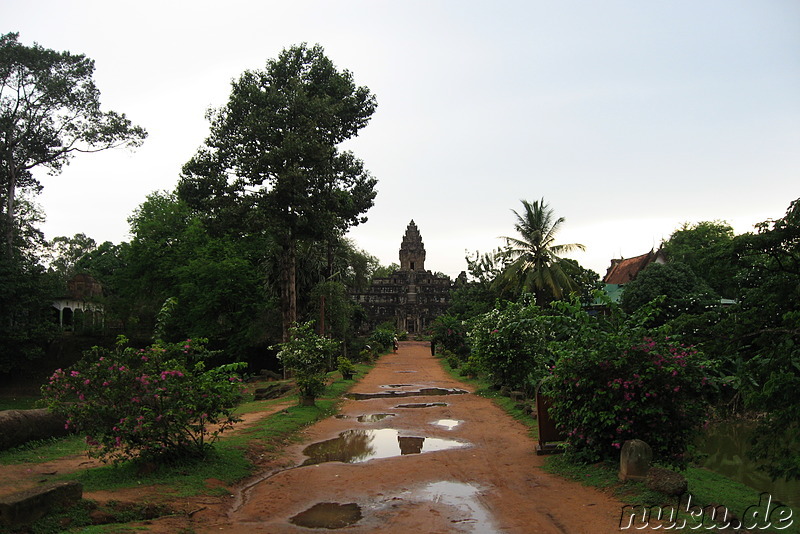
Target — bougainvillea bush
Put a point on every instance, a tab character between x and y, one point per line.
159	402
614	384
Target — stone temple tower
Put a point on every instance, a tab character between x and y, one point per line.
412	250
411	297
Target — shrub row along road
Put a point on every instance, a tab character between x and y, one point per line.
476	469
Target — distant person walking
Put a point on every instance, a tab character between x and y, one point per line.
395	344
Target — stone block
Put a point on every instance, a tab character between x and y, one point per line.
517	396
27	506
634	460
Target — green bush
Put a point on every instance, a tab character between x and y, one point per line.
450	333
510	346
345	366
306	354
381	339
155	402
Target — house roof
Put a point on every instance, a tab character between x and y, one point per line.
624	270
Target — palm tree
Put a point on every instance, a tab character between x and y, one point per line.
533	262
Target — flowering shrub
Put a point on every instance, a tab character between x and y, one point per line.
510	346
154	402
614	387
307	354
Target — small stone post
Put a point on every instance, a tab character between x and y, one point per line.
634	460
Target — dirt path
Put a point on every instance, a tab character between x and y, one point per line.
488	480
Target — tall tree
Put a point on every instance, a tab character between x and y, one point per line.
769	321
49	110
272	162
534	259
707	248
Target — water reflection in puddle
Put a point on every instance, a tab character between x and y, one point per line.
421	405
422	392
373	417
359	445
392	386
449	424
328	515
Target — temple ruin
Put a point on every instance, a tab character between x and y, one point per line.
411	297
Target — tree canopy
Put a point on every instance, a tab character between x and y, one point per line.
49	110
272	158
533	258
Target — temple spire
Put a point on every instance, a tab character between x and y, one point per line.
412	250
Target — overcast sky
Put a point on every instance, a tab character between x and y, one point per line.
628	117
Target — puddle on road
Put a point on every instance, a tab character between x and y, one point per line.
361	445
328	515
464	498
421	405
374	417
449	424
422	392
392	386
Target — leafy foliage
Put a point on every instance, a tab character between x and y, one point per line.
616	380
706	247
272	160
769	325
450	333
682	290
532	260
307	354
49	110
157	402
510	345
381	339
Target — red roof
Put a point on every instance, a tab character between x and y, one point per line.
623	271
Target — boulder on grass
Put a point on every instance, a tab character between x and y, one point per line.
273	391
666	481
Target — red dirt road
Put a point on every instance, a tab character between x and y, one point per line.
491	482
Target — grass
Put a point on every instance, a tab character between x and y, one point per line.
43	450
19	402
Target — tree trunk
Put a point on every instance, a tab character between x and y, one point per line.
8	238
289	285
